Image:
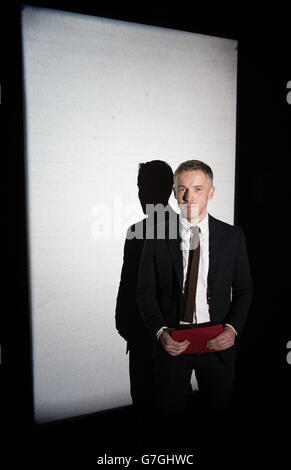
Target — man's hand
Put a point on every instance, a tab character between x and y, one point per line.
170	345
222	341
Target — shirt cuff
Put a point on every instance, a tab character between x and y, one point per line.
227	324
160	331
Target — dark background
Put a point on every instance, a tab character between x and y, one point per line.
263	389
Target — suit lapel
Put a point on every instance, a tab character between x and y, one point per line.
174	245
214	242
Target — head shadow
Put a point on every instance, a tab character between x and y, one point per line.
155	182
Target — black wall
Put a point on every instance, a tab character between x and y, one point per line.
263	155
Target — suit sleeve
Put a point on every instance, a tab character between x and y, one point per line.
147	297
242	287
128	321
122	316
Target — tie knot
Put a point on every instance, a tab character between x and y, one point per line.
195	229
194	240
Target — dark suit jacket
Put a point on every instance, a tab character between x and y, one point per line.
160	279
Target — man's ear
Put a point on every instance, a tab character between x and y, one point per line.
211	193
174	191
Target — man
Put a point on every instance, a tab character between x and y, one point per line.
222	295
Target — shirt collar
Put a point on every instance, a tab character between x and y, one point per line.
187	226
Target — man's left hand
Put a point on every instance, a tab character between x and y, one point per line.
222	341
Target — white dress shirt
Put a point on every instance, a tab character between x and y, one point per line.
201	315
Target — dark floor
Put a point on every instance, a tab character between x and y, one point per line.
256	438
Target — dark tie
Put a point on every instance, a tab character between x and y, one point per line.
189	295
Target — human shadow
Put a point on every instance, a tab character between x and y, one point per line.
155	182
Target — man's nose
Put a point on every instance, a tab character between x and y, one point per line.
187	197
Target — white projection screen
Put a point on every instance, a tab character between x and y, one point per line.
100	97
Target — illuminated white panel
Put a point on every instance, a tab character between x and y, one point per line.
100	97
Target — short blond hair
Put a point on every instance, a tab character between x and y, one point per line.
194	165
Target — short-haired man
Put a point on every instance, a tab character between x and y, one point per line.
223	294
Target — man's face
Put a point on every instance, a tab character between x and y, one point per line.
193	191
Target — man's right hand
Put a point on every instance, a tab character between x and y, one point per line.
170	345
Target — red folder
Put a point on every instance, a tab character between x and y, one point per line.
198	337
